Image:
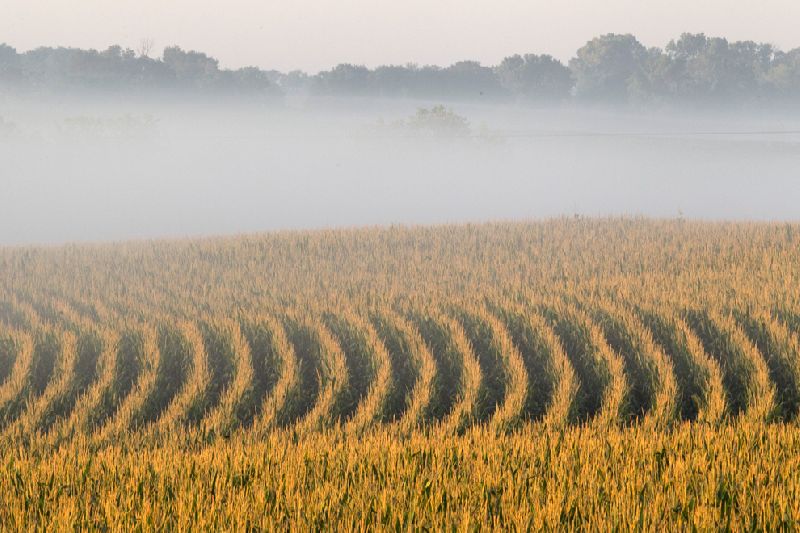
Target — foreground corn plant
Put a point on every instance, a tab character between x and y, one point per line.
741	476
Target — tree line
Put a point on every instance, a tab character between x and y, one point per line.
48	69
611	69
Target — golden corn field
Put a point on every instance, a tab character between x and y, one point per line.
566	374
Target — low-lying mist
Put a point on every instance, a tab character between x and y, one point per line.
94	171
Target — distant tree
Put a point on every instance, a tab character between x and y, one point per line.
470	80
616	69
435	122
535	77
427	82
10	68
191	68
248	81
251	79
395	80
145	47
783	76
8	56
295	79
439	121
609	68
123	69
344	79
712	69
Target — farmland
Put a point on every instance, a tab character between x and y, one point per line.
629	372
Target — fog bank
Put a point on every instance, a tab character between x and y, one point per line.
93	171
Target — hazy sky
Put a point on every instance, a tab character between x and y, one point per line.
316	34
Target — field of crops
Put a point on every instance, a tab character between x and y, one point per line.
567	373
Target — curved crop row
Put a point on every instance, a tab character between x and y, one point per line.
699	377
41	404
277	377
505	378
96	403
603	388
50	354
458	379
19	348
324	370
413	368
65	405
187	405
553	384
163	376
782	355
653	391
224	341
359	359
748	388
142	345
501	364
369	370
73	371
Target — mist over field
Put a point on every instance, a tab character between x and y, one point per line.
125	144
83	171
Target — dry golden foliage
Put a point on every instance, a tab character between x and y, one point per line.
566	374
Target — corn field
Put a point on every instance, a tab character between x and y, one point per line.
564	374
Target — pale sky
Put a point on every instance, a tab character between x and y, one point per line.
315	35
